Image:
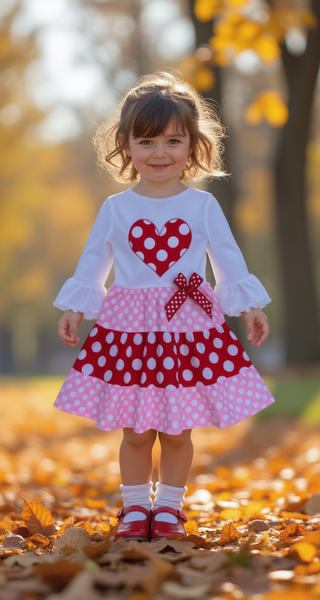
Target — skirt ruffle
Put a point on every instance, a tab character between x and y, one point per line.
171	411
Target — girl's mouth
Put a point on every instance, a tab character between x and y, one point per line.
159	167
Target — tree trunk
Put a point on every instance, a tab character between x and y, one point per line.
301	311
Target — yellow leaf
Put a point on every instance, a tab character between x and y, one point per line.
204	79
91	503
253	508
294	593
230	514
237	3
191	526
306	551
253	114
205	10
248	31
276	113
267	48
37	518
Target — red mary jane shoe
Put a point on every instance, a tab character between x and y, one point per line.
136	530
160	529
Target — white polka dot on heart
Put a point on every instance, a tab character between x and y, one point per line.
217	343
137	339
136	232
87	369
201	348
82	354
149	243
162	255
184	350
151	363
184	229
173	241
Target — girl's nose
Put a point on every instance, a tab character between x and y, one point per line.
159	150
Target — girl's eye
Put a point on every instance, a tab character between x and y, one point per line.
173	142
145	142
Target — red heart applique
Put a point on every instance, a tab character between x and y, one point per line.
160	251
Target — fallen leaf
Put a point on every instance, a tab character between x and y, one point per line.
174	590
38	519
58	574
293	530
81	586
72	540
228	534
305	550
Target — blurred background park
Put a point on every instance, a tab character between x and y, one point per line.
65	64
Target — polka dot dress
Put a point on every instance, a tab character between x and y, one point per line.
137	369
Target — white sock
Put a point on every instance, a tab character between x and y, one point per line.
136	494
167	495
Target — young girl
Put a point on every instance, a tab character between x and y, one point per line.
160	358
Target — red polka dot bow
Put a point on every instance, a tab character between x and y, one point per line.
187	290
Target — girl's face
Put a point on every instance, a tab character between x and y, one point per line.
160	158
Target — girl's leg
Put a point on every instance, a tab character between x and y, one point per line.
176	458
136	456
136	471
174	466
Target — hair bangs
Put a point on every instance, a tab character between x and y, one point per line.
154	117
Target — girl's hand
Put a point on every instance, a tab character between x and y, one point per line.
67	327
257	326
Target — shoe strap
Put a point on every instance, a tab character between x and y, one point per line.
173	511
137	507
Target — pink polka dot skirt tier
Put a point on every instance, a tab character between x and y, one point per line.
137	369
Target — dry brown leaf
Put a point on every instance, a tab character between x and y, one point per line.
293	530
58	574
72	541
38	519
39	540
81	586
228	534
99	549
7	524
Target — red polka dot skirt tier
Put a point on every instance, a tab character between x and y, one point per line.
137	369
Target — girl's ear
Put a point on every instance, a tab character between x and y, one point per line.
190	150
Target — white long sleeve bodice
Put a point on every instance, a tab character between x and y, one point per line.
150	241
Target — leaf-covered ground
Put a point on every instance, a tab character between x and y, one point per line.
253	508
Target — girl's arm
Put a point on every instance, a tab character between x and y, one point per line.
238	291
82	295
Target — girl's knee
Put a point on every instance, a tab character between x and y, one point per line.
139	439
175	440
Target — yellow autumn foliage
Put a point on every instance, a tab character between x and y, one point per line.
267	105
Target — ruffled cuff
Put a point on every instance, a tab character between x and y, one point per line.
240	296
80	297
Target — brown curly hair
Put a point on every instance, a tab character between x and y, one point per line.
146	111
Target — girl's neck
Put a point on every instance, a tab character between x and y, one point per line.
163	189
